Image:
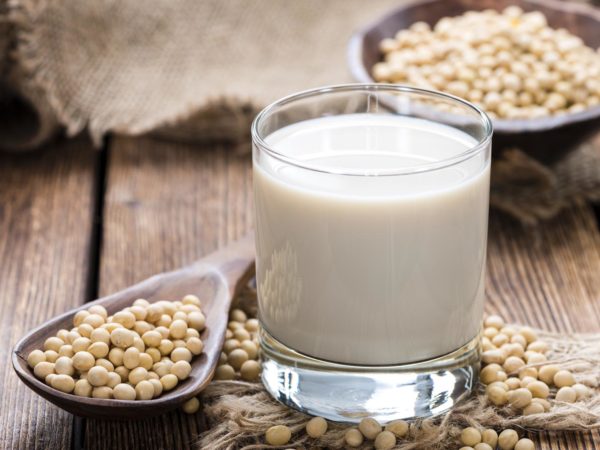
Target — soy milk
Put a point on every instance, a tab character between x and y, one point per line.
360	266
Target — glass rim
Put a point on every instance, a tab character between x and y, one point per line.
481	144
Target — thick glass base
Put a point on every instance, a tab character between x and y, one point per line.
347	393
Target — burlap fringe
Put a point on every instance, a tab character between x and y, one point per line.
239	413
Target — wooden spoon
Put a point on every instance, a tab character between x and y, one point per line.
215	279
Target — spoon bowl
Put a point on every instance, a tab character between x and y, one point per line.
216	279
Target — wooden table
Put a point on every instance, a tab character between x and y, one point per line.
77	223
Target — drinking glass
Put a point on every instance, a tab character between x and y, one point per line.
371	211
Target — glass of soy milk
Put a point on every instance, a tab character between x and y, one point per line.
371	226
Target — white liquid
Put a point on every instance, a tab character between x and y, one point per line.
372	270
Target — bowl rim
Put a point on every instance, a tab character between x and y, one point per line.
354	58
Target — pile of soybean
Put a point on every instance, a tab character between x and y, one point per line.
134	354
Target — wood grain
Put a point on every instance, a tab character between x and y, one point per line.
46	222
166	205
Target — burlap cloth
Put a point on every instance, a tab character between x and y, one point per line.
199	70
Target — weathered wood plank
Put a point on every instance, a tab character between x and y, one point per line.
548	277
46	222
166	205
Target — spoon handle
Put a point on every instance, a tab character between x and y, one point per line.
235	262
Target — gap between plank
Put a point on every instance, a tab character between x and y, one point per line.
91	291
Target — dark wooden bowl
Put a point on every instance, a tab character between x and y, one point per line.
215	279
547	138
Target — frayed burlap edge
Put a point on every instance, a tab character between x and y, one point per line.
221	118
239	413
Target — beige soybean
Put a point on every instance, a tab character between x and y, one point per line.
316	427
353	437
43	369
136	375
131	358
158	387
528	372
470	436
79	316
236	358
106	364
169	381
230	345
152	338
98	349
145	361
507	439
493	356
525	444
385	440
497	395
115	356
35	357
166	347
513	364
489	373
121	337
124	391
525	381
181	369
154	354
83	388
539	389
85	329
123	372
177	329
546	373
581	390
482	446
179	343
51	356
398	427
113	379
513	383
238	315
278	435
533	408
519	398
181	354
83	361
144	390
191	299
102	392
191	406
563	378
494	321
81	344
545	403
369	427
53	343
97	376
95	320
64	366
224	372
250	370
194	345
252	325
63	383
566	394
489	437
